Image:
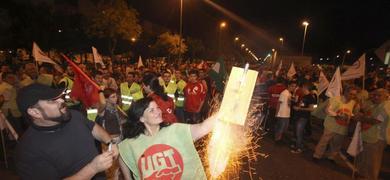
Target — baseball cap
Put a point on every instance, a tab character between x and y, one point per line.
31	94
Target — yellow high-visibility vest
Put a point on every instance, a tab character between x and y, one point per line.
128	95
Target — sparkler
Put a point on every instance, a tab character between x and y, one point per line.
233	140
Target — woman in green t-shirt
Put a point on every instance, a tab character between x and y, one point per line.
153	149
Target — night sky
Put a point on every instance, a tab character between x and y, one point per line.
335	26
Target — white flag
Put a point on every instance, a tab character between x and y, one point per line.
356	145
279	68
39	55
334	88
97	57
140	64
323	83
291	72
356	70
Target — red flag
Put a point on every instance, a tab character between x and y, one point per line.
84	89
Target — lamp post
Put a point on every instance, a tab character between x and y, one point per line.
181	28
304	23
222	26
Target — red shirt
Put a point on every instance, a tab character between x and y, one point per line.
166	107
194	94
274	92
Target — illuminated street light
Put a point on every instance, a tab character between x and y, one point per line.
59	30
337	56
242	45
305	23
222	25
133	39
281	40
236	38
345	54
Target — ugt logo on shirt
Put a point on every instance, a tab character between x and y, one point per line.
161	161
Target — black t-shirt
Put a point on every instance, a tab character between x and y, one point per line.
56	152
307	100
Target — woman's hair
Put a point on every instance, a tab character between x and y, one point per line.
133	126
151	80
108	92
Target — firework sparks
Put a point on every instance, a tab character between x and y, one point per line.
230	142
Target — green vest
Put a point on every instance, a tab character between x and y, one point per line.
128	95
170	154
330	122
92	113
170	89
180	91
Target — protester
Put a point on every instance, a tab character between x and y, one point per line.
59	144
153	89
195	94
375	119
339	112
283	110
148	136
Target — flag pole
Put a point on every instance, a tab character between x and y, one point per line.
81	72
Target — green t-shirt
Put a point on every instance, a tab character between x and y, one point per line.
170	154
380	112
337	105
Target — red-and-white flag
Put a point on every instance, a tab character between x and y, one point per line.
323	83
97	57
84	89
357	69
291	72
279	68
356	145
140	64
39	55
335	87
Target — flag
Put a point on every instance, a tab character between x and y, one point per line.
140	64
291	72
39	55
97	57
383	52
84	89
217	74
323	83
356	145
356	70
279	68
334	88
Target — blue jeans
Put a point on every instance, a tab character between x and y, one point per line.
281	127
301	123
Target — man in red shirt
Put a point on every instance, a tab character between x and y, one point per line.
274	92
194	94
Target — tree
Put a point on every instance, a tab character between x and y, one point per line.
168	43
196	49
113	21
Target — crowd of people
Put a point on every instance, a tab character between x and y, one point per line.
156	110
295	102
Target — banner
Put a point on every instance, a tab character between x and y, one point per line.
357	69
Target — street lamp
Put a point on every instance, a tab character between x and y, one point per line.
304	23
242	45
181	28
236	39
133	39
345	54
281	40
222	26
